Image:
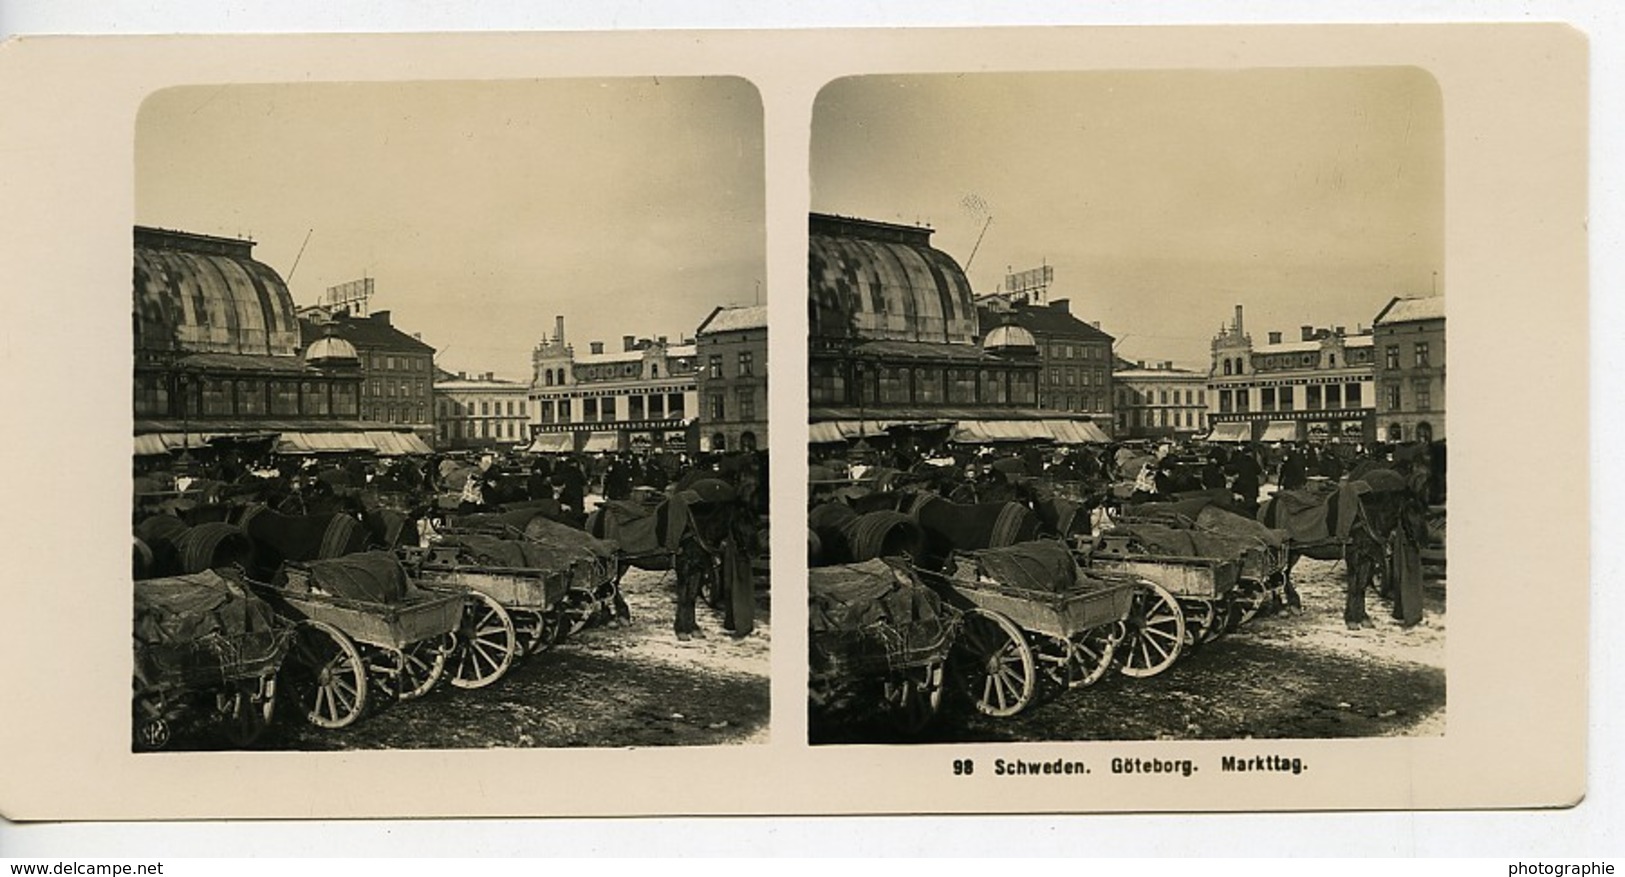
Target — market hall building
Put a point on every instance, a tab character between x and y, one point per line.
893	345
218	358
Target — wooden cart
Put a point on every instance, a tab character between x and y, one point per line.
535	599
226	680
1008	634
907	660
343	647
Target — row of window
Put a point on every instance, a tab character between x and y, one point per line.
381	388
832	384
1311	359
744	366
459	408
1419	353
220	397
396	414
461	429
1075	378
389	362
1056	350
1176	417
1088	401
744	405
1135	396
1421	396
605	409
1316	397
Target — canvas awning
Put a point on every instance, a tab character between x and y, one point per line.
382	442
1281	431
1076	432
397	444
154	444
835	431
553	443
602	442
1231	432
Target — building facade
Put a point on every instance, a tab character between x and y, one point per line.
1409	337
895	345
1320	387
397	369
218	351
1160	401
1074	357
731	354
643	396
482	411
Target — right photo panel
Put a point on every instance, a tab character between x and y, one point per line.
1127	407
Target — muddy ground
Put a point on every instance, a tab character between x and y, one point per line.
602	687
1284	675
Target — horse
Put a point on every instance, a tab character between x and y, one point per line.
1354	524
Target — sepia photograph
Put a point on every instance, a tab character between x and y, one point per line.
1127	407
450	416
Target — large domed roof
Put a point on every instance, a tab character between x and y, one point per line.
878	281
1010	336
203	294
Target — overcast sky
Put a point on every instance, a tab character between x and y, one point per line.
630	206
1161	199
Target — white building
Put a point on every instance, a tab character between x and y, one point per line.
644	395
482	411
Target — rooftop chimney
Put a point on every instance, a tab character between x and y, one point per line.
628	342
1139	363
1275	337
1308	332
1238	320
597	347
1064	305
1095	323
1167	365
381	317
662	340
1340	331
558	329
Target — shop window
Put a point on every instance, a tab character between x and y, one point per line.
1351	396
1285	398
1311	396
606	410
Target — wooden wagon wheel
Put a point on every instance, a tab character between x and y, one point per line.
537	631
914	695
486	643
1201	617
1156	627
412	672
246	710
152	730
995	663
1092	653
327	675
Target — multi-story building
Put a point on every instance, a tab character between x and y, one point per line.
1409	338
643	396
731	350
397	369
219	357
1159	401
1317	388
1074	357
482	411
893	345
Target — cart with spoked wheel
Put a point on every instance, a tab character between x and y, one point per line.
1030	614
535	598
362	628
207	652
876	633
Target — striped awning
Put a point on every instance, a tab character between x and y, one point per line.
601	442
381	442
834	431
1231	432
553	443
1281	431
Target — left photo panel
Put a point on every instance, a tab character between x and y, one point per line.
450	416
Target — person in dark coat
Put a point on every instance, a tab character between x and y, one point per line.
1294	474
539	484
1246	474
572	485
617	480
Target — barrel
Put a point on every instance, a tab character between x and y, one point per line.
212	545
342	536
159	528
883	534
1015	523
830	515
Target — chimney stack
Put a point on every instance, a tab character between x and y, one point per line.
1275	337
1308	332
1167	365
558	329
381	317
1064	305
628	342
597	347
662	341
1238	320
1340	331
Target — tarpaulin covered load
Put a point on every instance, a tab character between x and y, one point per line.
1031	566
559	537
633	527
872	617
1222	536
200	628
371	576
